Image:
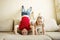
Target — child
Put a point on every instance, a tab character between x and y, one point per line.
39	26
24	26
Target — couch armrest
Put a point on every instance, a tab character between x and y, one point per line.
59	28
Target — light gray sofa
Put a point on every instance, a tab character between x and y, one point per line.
52	29
7	32
29	37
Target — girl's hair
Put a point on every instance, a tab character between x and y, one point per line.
39	17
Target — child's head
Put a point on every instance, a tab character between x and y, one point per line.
24	32
39	20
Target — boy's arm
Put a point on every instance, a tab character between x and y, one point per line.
15	29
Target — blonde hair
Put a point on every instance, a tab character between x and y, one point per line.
39	17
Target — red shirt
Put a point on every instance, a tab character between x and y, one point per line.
25	23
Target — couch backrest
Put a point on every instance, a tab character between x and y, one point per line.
51	25
6	25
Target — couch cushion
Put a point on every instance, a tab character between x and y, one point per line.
6	25
54	35
12	36
51	25
1	37
4	34
29	37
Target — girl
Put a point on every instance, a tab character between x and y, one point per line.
39	26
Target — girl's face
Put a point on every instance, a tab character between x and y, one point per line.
24	32
39	21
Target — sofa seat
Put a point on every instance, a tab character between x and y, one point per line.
4	34
11	36
54	35
1	37
27	37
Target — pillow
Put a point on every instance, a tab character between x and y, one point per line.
51	25
6	25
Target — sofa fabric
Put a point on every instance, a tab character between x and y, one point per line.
53	35
29	37
12	36
6	25
51	25
4	34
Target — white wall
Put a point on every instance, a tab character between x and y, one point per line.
45	7
10	8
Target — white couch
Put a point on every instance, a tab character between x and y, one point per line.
29	37
7	32
52	29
